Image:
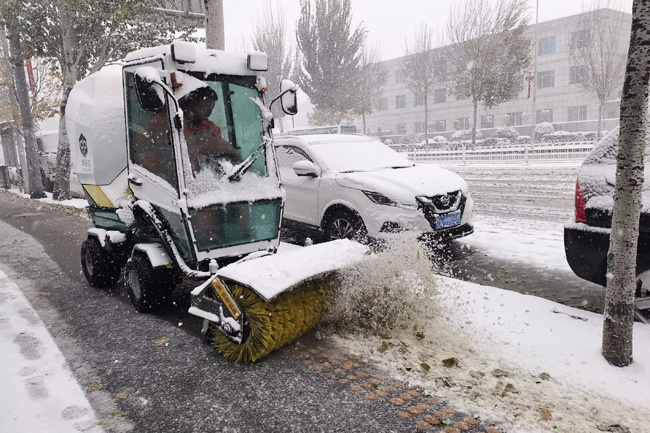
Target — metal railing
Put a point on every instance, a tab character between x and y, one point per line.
517	153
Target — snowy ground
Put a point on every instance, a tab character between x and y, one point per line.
523	362
39	393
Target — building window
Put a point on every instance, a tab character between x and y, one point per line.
611	114
401	128
420	127
547	46
462	96
462	123
399	76
383	104
439	96
579	39
513	119
419	100
544	115
487	121
545	79
577	113
400	101
577	74
441	125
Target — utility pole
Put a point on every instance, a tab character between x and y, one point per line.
22	93
214	31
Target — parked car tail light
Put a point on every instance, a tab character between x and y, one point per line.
581	215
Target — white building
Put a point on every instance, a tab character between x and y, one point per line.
559	97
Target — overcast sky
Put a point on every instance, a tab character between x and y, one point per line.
388	22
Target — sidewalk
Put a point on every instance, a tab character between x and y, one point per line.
39	393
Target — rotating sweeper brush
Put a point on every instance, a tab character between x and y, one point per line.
174	150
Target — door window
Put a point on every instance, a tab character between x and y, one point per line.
150	136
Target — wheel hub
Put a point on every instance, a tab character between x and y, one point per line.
341	229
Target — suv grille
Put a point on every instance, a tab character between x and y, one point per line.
436	205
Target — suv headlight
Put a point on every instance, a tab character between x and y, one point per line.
378	198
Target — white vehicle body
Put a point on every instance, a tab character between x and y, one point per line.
323	174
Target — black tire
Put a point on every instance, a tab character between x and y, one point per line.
148	289
99	266
344	224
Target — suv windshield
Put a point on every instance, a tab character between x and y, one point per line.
358	156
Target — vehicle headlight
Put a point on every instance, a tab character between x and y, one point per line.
378	198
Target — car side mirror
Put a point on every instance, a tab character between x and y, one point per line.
149	88
288	98
305	168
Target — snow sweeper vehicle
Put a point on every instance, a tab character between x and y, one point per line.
174	150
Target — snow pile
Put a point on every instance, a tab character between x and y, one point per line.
526	363
390	292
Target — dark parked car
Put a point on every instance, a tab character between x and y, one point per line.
586	239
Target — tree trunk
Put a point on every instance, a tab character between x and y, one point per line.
69	71
214	31
22	93
363	116
601	118
426	119
621	258
474	124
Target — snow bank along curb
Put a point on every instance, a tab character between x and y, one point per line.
40	394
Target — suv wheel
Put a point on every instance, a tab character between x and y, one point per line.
344	224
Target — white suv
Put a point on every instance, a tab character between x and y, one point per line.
349	186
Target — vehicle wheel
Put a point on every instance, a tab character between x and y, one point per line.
98	265
148	289
642	300
344	224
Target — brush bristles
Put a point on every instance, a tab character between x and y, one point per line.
276	323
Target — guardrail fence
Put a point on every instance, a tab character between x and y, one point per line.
539	152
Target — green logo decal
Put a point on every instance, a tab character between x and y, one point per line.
83	145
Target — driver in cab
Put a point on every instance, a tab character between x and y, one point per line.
203	137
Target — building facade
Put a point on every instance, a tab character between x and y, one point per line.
558	95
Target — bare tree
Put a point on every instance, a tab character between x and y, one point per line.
623	243
489	51
270	36
22	94
597	55
424	64
372	79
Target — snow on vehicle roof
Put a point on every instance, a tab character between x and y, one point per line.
348	153
208	61
329	138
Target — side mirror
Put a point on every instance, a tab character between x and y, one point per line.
183	52
305	168
149	88
288	98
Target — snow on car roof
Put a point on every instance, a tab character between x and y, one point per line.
329	138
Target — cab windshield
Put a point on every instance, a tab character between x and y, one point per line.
222	126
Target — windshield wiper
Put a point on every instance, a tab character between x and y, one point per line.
240	169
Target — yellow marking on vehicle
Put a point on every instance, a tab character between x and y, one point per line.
95	192
226	298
